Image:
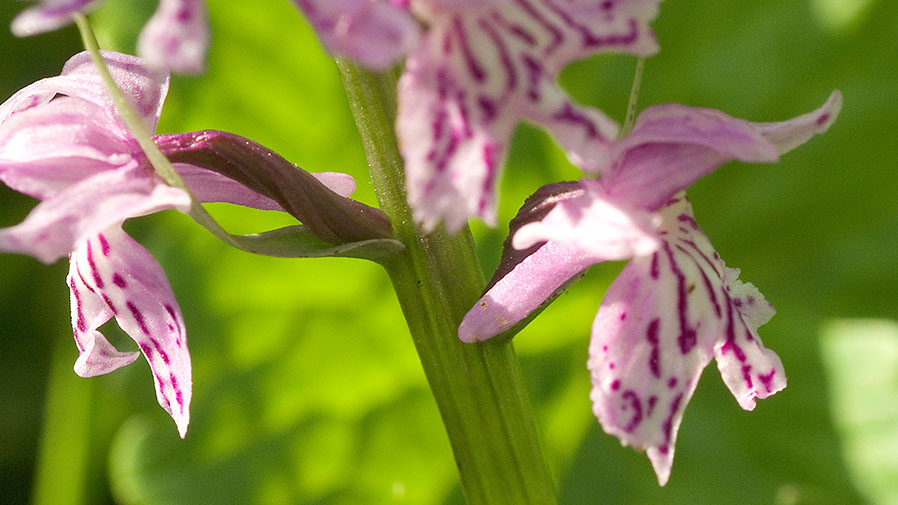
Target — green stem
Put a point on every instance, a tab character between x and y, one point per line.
634	97
478	387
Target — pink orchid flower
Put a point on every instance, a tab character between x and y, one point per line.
63	142
176	37
479	68
676	305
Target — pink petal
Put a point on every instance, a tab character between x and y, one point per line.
177	36
45	149
788	135
111	274
480	70
533	281
56	226
373	32
597	226
47	16
660	324
144	86
673	145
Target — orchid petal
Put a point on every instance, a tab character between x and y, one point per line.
529	285
67	132
482	68
788	135
597	226
48	16
661	322
177	36
375	33
144	86
111	274
56	226
673	145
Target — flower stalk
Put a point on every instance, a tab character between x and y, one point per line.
478	387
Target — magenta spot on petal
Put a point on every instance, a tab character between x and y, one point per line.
767	379
118	280
110	305
672	382
652	401
654	271
171	312
160	350
147	351
663	449
686	218
80	324
611	366
667	425
746	375
487	108
93	266
104	244
615	384
138	318
605	348
623	315
654	357
633	402
823	118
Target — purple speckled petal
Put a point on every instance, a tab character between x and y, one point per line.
47	16
209	186
595	225
533	281
112	275
177	36
660	324
373	32
57	225
673	145
484	66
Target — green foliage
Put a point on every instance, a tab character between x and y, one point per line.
307	386
861	358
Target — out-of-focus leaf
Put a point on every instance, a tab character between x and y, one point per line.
861	359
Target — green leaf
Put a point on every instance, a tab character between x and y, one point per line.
298	242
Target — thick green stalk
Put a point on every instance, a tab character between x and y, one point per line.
478	387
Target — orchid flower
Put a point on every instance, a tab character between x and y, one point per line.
676	305
479	68
63	142
176	37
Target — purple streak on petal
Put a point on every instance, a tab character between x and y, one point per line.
153	319
482	68
705	322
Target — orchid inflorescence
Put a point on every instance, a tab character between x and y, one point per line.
473	69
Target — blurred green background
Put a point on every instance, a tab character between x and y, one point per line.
307	389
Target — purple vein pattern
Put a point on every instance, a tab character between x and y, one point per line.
482	67
479	68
